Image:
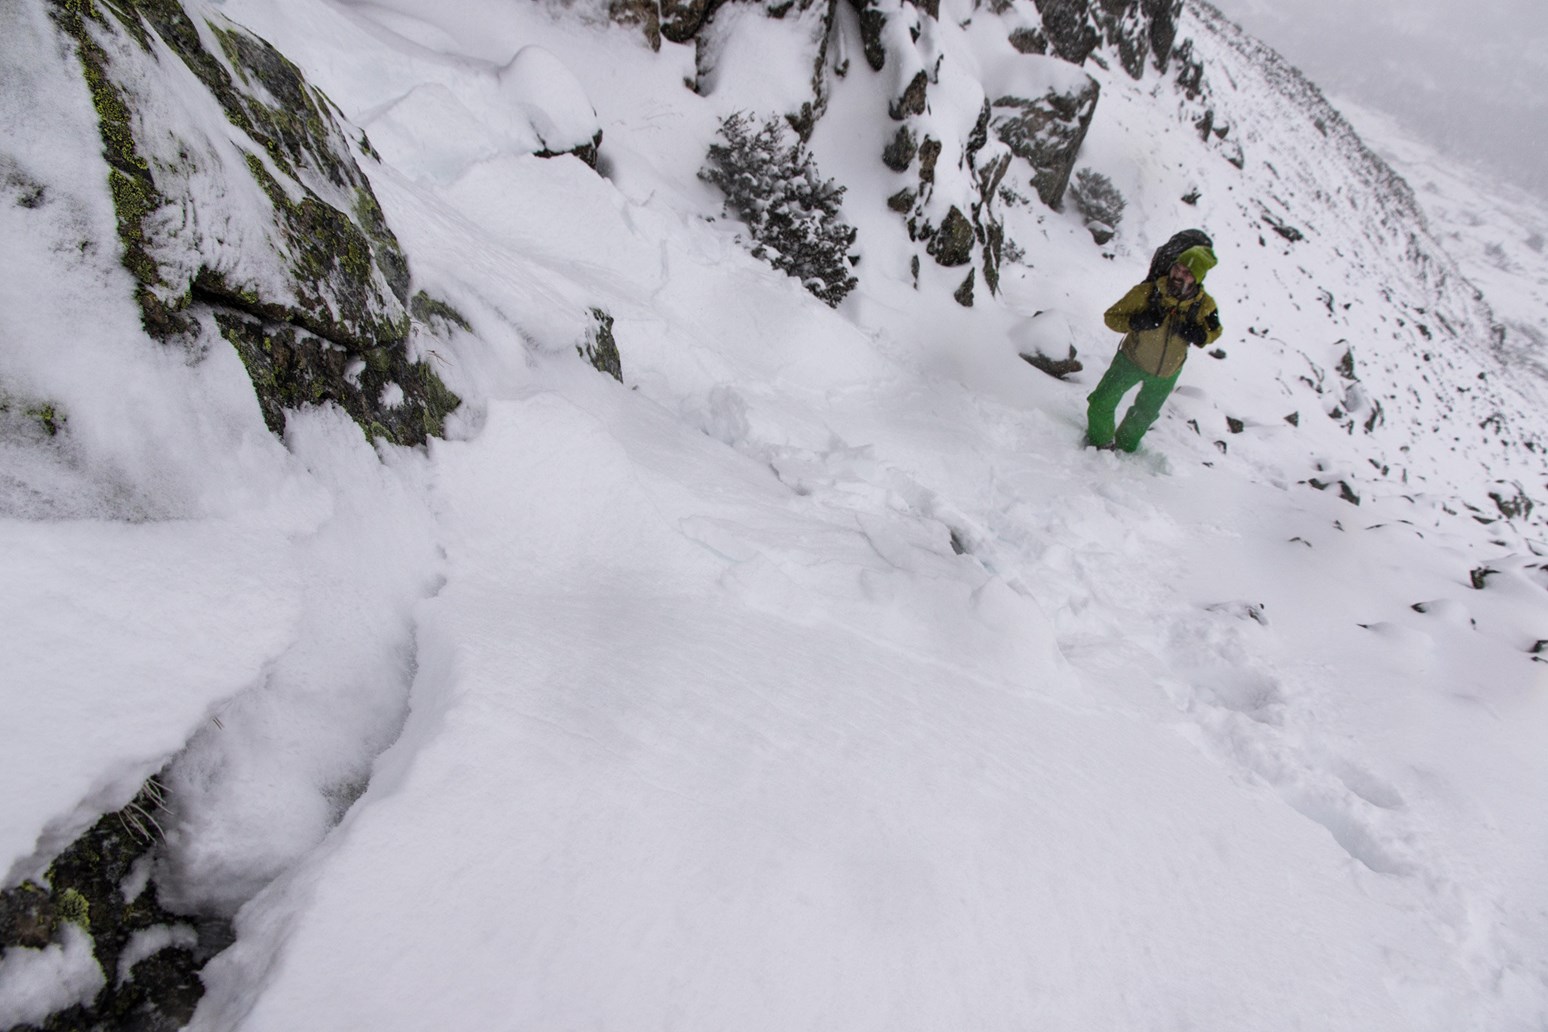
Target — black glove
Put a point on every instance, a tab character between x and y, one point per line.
1192	332
1146	319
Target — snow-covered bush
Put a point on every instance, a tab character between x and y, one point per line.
771	183
1099	203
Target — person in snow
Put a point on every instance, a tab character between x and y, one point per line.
1160	319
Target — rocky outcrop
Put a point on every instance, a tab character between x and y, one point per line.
563	120
682	19
600	349
99	894
267	233
1162	16
1137	30
954	216
809	20
1046	132
1071	29
1058	368
950	165
1043	125
644	15
957	221
952	243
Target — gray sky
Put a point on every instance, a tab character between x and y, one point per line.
1469	76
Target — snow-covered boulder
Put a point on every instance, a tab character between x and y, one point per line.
552	101
243	213
768	58
1046	129
97	941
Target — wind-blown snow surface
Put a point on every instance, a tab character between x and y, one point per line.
819	679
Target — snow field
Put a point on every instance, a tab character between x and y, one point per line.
728	818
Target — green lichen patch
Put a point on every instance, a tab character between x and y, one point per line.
328	250
600	348
384	243
340	279
292	368
437	313
133	187
85	888
294	122
30	420
49	418
74	908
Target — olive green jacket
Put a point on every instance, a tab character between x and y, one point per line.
1160	351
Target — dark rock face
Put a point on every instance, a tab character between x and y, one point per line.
1058	368
953	242
1512	500
680	20
872	20
965	227
86	888
899	154
1163	15
291	367
600	350
1047	133
963	295
1137	29
323	266
1029	41
912	101
1072	32
589	153
929	154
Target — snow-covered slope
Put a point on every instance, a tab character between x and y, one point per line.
1497	233
815	677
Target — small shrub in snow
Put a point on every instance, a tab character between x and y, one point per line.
771	183
1098	201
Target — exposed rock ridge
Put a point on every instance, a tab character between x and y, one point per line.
268	233
951	175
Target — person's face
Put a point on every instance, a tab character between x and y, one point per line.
1181	280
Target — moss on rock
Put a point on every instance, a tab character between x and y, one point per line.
86	887
600	348
432	310
338	280
292	368
133	187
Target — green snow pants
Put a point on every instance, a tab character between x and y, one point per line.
1102	403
